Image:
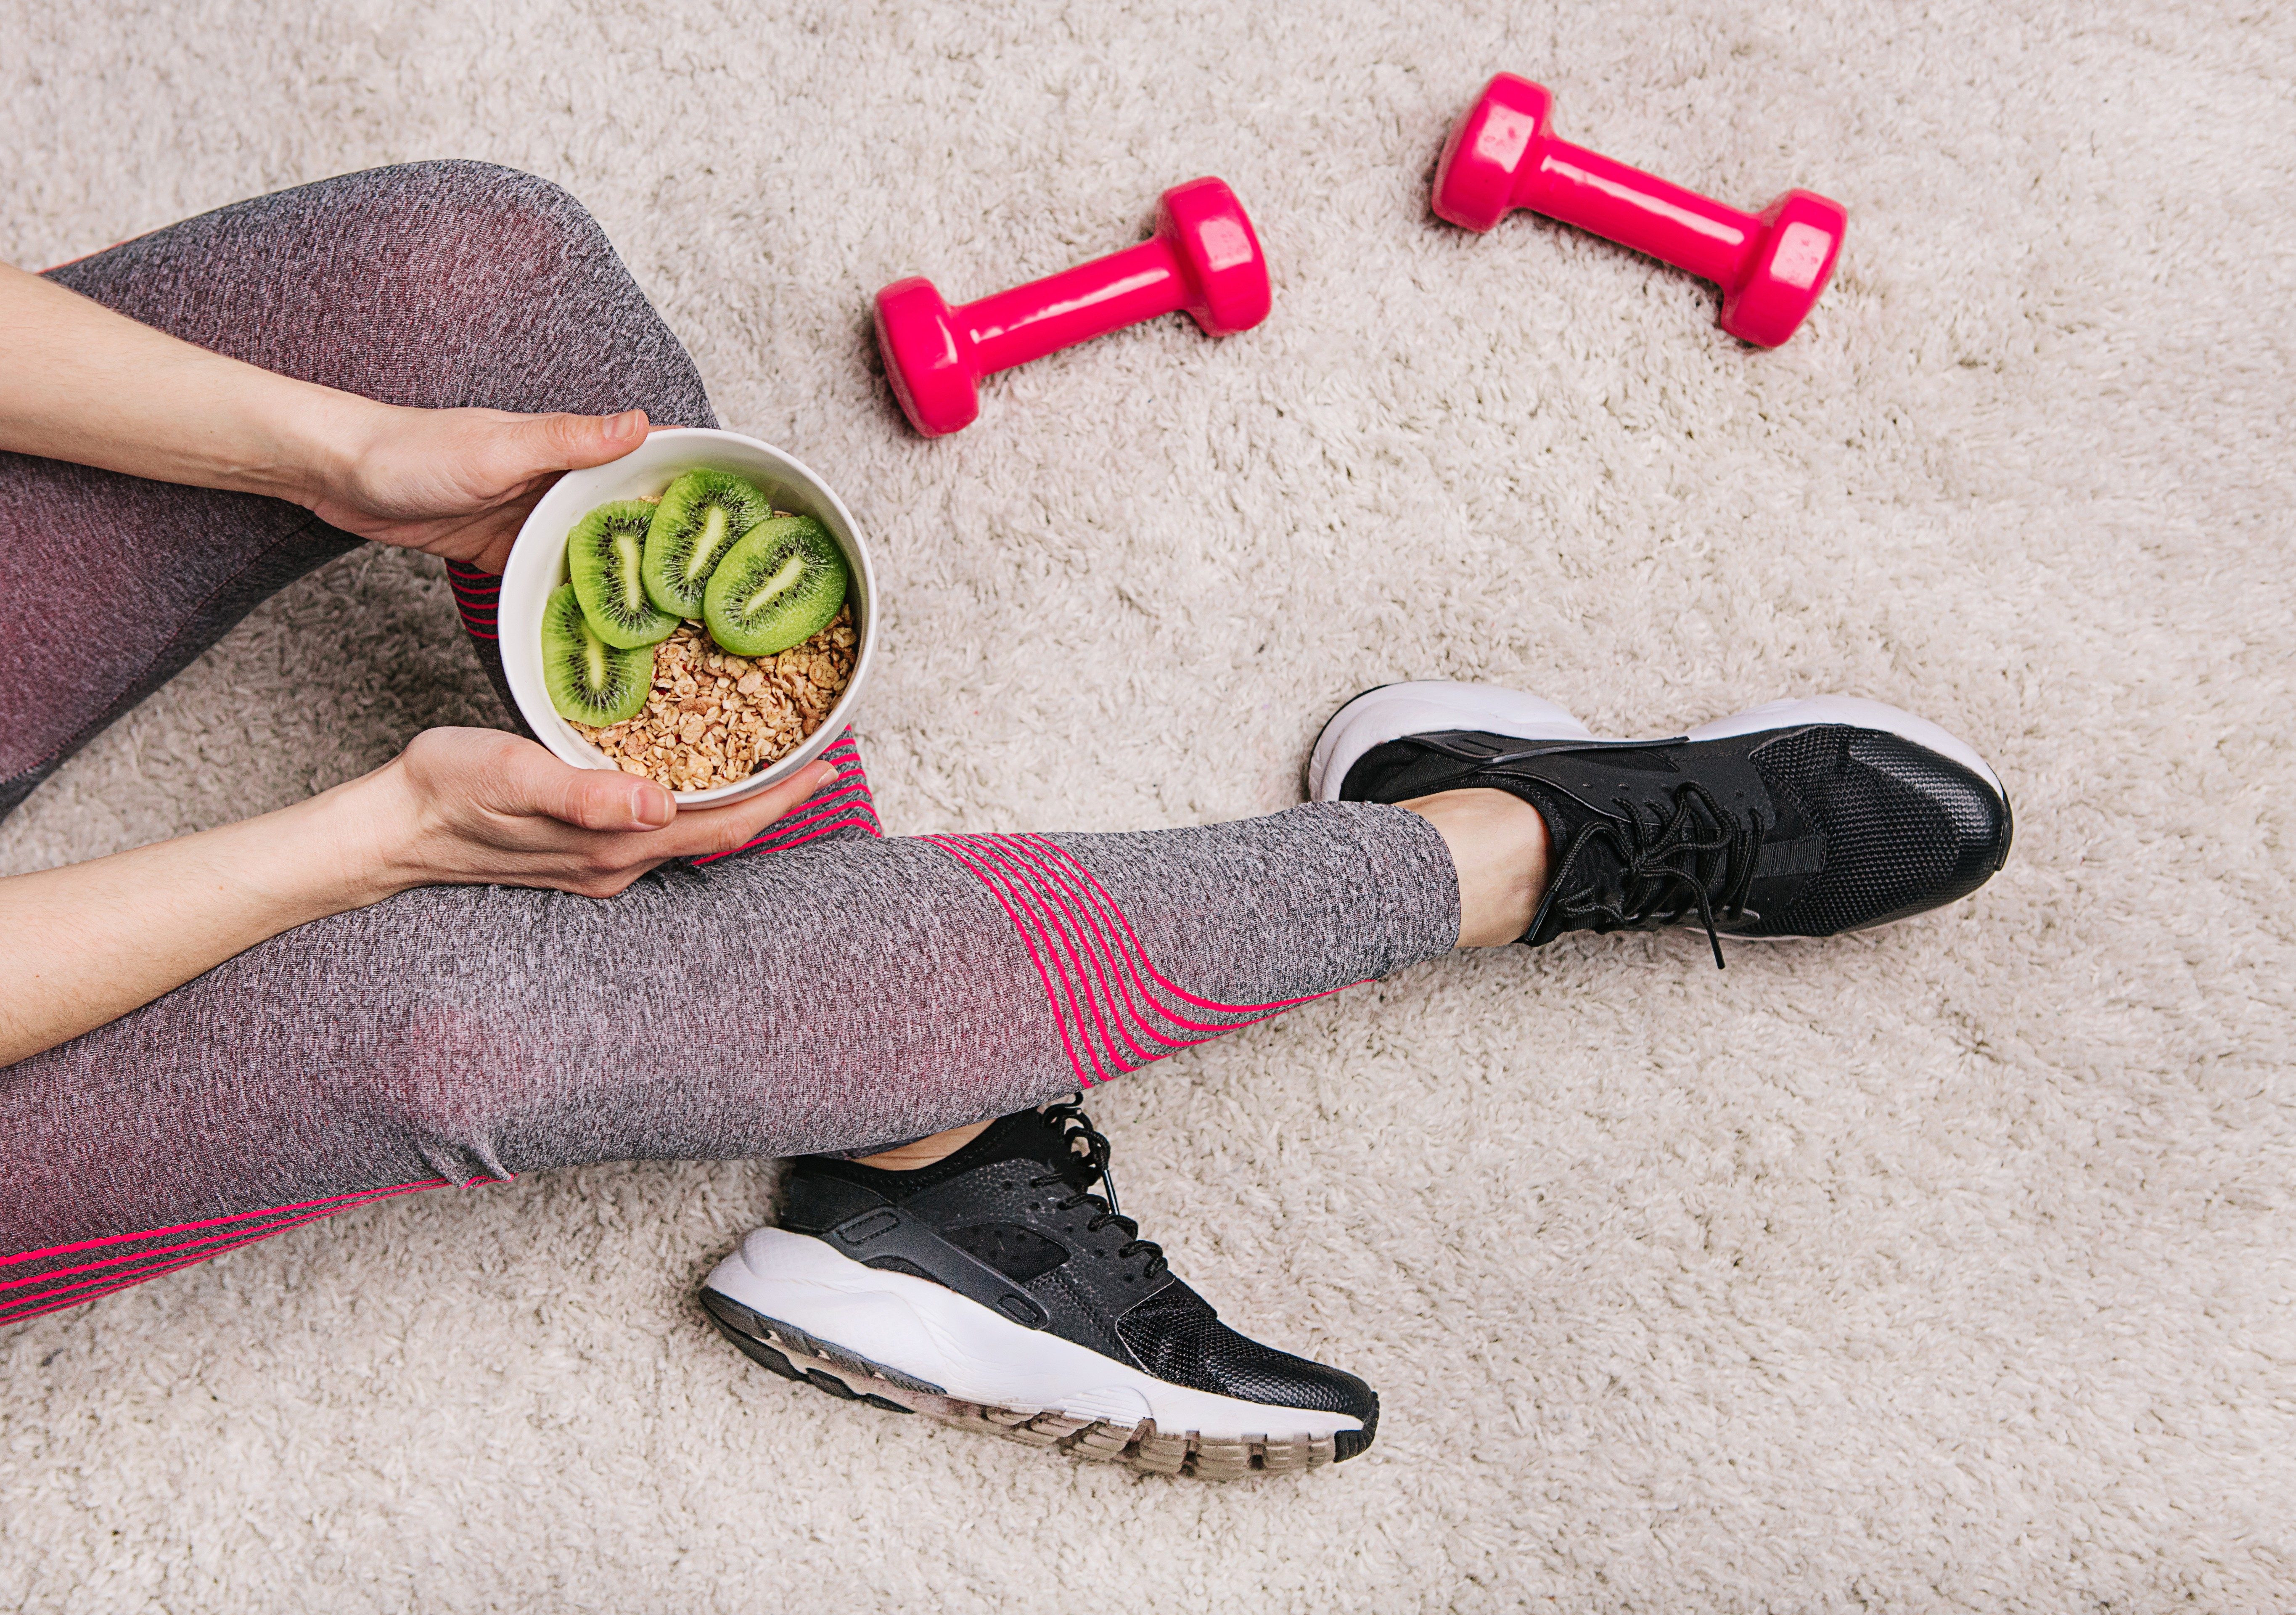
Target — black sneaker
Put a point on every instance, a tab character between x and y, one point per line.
990	1290
1802	818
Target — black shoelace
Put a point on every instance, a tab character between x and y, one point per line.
1090	1165
1699	850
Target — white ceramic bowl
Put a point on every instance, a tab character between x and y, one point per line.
537	566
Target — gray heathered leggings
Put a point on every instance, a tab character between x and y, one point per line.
458	1034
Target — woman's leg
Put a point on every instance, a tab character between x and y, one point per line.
434	284
838	995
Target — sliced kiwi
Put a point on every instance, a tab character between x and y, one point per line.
778	586
589	681
700	516
604	553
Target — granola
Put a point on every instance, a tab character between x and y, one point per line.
714	719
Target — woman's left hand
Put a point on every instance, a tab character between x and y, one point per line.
453	482
86	944
458	483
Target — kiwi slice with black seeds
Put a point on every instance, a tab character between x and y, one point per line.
590	682
778	586
604	554
700	516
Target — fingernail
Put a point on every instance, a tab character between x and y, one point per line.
630	423
654	808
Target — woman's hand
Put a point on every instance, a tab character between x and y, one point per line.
455	482
477	806
84	945
79	382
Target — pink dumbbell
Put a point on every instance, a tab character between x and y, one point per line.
1771	267
1203	258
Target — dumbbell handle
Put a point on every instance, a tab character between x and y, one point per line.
1637	209
1010	328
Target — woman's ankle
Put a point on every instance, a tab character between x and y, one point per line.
1499	845
924	1152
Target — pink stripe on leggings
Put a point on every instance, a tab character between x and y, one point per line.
1128	949
1104	965
251	1220
95	1290
1166	982
1089	1008
137	1269
859	818
853	798
946	844
845	801
212	1222
41	1294
1075	929
1084	1001
1022	897
477	598
1063	998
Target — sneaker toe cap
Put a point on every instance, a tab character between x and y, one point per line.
1906	828
1176	1336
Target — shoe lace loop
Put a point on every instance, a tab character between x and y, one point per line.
1699	850
1088	1148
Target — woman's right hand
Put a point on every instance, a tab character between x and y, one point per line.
477	806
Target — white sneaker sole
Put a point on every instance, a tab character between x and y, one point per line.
908	1342
1392	711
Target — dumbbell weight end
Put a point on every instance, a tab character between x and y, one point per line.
927	362
1784	274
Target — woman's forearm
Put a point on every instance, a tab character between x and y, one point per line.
86	944
79	382
83	945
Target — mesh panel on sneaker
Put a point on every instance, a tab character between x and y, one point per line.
1176	1336
1905	830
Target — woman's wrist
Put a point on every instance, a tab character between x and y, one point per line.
373	829
321	436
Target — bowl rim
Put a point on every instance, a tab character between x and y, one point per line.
535	569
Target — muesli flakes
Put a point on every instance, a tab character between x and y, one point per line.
716	719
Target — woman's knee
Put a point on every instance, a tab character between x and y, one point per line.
470	243
500	290
540	300
508	212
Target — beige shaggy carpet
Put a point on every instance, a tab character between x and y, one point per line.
1947	1268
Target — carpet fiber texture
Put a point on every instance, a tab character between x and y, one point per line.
1951	1267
